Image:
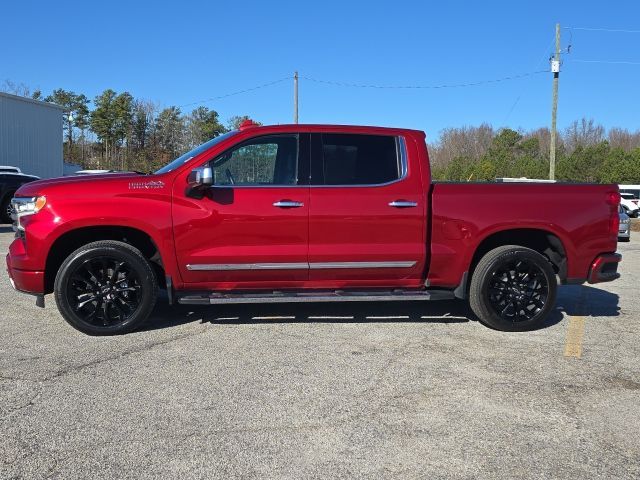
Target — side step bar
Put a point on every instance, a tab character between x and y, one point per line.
208	298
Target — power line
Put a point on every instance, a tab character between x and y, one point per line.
289	77
357	85
614	30
406	87
606	61
545	56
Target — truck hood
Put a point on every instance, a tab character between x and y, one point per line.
82	182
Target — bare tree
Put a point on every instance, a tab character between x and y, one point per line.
14	88
583	133
144	116
544	139
469	142
623	138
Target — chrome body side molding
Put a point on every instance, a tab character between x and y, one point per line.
296	266
330	265
247	266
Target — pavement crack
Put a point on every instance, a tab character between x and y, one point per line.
143	348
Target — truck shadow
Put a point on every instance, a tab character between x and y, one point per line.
586	301
348	312
6	228
572	300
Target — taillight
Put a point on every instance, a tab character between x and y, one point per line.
614	224
613	199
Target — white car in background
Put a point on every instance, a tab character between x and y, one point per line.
95	172
630	204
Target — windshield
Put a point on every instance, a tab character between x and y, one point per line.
196	151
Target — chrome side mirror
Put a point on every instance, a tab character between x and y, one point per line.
198	181
201	177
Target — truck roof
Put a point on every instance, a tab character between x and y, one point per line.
317	127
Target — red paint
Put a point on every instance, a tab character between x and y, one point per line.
579	215
336	224
241	225
356	224
28	281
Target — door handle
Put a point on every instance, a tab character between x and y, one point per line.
403	204
288	204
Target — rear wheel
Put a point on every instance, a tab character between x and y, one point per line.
105	288
513	288
5	210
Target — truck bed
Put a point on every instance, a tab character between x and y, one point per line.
463	215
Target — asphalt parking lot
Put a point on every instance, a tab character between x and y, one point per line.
325	391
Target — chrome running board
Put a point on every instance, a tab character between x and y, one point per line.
215	298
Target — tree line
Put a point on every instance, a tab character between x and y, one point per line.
585	152
117	131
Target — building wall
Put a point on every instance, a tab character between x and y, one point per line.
31	136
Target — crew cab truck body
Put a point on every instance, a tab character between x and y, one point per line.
307	213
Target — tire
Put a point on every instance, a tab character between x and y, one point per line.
5	209
624	239
513	288
105	288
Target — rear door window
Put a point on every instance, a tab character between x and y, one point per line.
354	159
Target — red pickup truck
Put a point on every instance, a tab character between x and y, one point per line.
306	213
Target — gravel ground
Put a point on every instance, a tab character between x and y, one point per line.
280	392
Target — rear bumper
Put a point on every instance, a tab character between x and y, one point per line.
27	281
604	268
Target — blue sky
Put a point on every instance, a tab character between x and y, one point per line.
186	51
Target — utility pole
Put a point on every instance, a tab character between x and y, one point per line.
295	97
555	68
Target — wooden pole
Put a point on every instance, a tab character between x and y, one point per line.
295	97
554	108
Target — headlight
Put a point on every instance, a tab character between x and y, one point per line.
23	206
624	221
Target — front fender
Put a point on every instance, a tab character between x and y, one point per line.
61	217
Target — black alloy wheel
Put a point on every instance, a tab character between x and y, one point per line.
105	288
517	290
513	288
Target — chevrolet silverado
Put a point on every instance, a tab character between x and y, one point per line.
306	213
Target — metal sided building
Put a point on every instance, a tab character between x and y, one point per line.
31	136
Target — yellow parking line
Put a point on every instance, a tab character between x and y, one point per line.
575	333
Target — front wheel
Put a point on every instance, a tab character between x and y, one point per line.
105	288
513	288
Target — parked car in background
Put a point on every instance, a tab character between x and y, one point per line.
8	169
624	230
94	172
630	204
632	189
11	178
